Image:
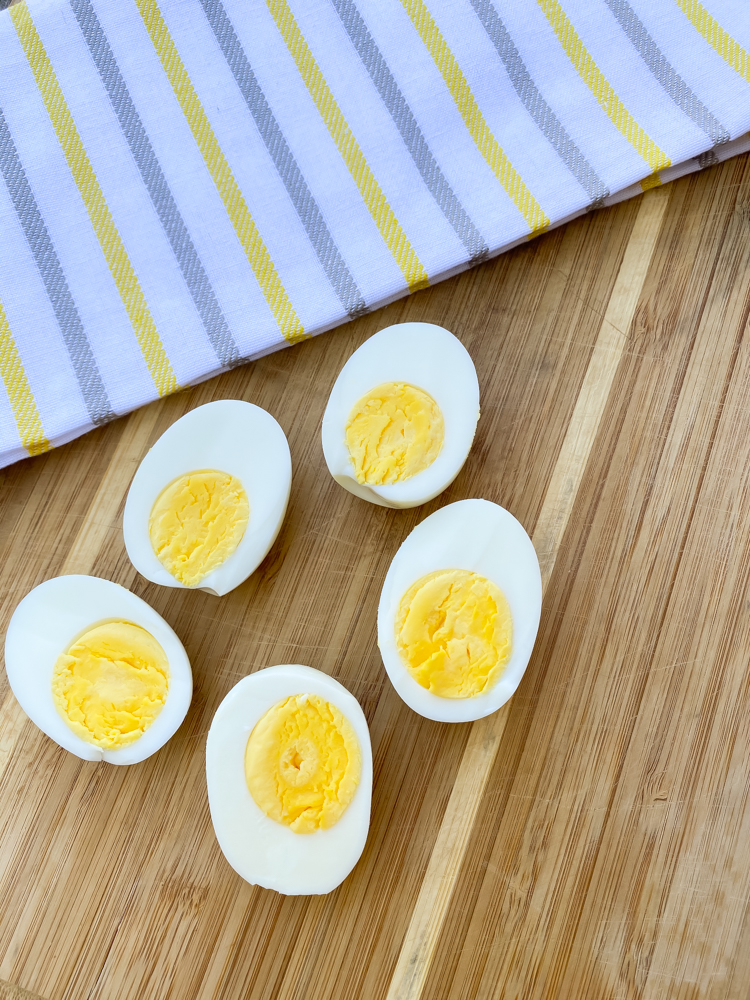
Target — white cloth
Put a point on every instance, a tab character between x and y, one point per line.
194	183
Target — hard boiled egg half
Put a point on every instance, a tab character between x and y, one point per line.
97	669
289	770
459	611
401	415
208	500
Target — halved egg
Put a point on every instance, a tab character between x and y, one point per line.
97	669
402	415
208	500
459	611
289	771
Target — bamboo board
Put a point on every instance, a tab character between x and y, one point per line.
591	839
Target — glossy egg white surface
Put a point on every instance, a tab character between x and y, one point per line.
482	537
262	851
47	622
422	355
230	436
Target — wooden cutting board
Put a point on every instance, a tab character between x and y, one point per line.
590	840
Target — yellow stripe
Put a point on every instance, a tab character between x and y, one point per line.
479	130
600	87
109	238
21	398
236	208
652	181
382	213
719	39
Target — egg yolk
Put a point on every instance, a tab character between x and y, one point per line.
111	684
393	432
197	522
454	632
302	763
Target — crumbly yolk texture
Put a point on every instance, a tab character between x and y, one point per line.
111	684
454	633
393	432
197	522
302	763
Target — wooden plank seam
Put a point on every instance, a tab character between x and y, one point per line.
418	948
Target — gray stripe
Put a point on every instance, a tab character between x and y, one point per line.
307	208
411	134
670	80
193	272
543	115
707	159
81	356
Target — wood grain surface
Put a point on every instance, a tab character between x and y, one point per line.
590	839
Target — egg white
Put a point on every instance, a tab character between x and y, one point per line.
484	538
262	851
231	436
422	355
47	622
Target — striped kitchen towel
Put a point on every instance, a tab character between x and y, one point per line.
190	184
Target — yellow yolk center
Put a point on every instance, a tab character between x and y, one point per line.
302	763
111	684
197	522
393	432
454	632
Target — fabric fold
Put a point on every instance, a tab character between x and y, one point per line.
186	185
